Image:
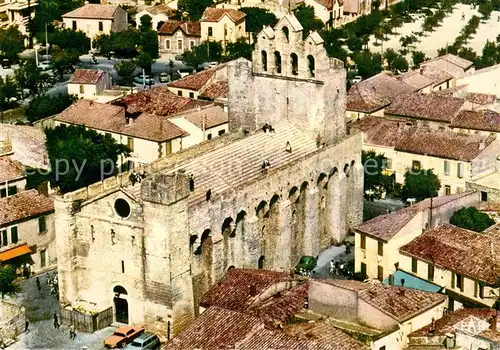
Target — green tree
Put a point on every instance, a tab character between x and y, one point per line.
148	43
64	60
145	61
124	44
43	106
467	53
193	8
471	219
485	9
375	182
238	49
420	184
390	56
355	44
256	18
31	78
71	40
491	54
306	17
11	43
126	69
104	44
8	91
400	64
369	64
205	52
417	58
80	157
146	23
7	278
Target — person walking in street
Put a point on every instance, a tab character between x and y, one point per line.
72	333
56	321
38	286
26	326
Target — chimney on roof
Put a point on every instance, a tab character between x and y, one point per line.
402	291
253	290
482	145
493	321
373	88
130	121
432	327
402	282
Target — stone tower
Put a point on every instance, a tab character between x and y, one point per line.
292	79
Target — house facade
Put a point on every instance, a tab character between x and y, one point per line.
175	37
12	176
96	19
224	25
88	83
158	14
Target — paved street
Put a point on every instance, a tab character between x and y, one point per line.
40	306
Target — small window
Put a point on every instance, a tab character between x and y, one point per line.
446	167
12	190
191	44
3	192
382	348
191	95
74	25
82	89
447	190
380	273
123	266
222	132
294	61
179	93
130	143
484	196
459	282
101	27
209	136
210	31
414	267
168	146
167	44
380	248
363	241
286	32
179	44
415	165
388	163
122	208
208	195
311	66
13	235
263	55
460	170
277	62
4	238
42	224
430	272
481	290
363	270
43	258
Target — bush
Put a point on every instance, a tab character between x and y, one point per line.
471	219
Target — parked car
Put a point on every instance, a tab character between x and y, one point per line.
306	264
45	65
356	79
140	79
122	336
144	341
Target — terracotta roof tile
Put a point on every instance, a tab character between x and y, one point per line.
400	303
456	60
24	205
10	170
481	99
159	101
212	14
86	76
328	4
93	11
380	131
446	324
234	292
216	328
426	106
111	118
469	253
442	144
161	9
215	90
195	81
189	28
375	93
426	76
486	120
213	115
28	144
351	6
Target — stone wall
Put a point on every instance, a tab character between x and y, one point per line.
12	321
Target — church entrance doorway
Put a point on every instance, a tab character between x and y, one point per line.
121	304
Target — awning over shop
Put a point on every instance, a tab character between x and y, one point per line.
14	252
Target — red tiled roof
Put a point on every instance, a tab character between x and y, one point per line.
111	118
215	90
426	76
380	131
446	324
481	99
425	106
443	144
213	116
466	252
401	306
216	328
486	120
189	28
24	205
10	170
328	4
375	93
86	76
93	11
195	81
212	14
159	101
456	60
234	292
162	9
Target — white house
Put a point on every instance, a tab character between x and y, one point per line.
159	14
88	83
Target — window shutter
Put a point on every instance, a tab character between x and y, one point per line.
452	280
13	234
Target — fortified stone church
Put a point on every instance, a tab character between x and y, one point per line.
286	182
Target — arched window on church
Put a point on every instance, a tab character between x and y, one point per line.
294	60
277	62
264	60
286	32
311	65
